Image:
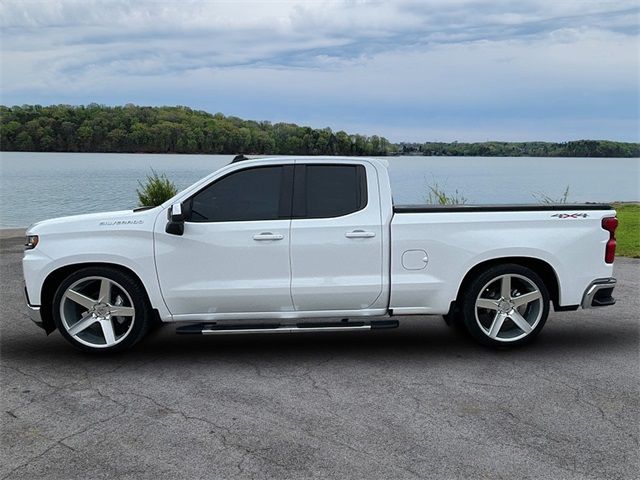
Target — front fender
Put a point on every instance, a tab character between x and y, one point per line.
131	249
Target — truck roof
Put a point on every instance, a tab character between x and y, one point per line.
329	158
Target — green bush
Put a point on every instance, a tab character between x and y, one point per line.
157	190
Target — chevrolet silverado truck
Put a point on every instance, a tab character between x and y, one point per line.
311	244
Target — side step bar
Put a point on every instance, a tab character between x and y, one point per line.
213	329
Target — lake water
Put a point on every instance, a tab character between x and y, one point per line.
37	186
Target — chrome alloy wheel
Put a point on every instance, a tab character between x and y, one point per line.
97	312
509	308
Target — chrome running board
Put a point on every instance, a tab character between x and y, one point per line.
344	326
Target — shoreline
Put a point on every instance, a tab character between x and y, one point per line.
268	155
12	232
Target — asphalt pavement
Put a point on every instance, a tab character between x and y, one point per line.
420	401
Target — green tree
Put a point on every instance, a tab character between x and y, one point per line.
24	142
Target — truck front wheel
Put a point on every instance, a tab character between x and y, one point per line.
101	310
506	305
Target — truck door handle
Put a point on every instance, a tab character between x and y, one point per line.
359	234
268	236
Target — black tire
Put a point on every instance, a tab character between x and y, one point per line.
479	321
140	324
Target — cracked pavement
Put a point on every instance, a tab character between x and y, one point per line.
421	401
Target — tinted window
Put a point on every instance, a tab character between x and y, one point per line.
334	190
252	194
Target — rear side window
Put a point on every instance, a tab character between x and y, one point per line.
252	194
330	190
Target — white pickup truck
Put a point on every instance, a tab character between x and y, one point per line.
313	244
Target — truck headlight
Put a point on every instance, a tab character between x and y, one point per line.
32	241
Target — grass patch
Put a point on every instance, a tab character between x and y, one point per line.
628	233
548	200
437	196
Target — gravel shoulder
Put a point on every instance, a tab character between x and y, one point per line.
421	401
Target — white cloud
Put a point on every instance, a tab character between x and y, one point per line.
471	58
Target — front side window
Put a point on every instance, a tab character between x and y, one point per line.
246	195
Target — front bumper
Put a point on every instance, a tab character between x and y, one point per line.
599	293
33	311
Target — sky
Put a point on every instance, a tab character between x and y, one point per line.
441	70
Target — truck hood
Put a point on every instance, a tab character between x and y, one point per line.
98	222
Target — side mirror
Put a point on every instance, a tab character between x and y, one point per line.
175	225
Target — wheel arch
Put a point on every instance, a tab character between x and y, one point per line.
546	272
53	280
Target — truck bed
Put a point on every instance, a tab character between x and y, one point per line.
451	240
426	208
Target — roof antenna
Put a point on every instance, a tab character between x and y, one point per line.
239	158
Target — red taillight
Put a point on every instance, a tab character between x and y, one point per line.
610	224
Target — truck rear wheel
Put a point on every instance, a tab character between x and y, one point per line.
101	310
506	305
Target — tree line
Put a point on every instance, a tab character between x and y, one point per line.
577	148
137	129
134	129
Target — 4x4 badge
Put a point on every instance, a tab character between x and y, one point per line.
570	215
